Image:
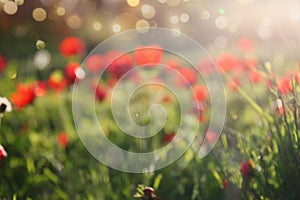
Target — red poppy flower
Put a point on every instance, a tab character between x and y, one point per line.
23	96
63	139
71	70
227	62
100	92
120	65
200	92
95	63
234	84
40	89
3	153
167	98
72	46
3	63
245	44
250	63
168	138
171	66
57	81
202	117
246	168
188	74
254	76
148	55
285	85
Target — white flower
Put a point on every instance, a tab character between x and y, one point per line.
5	105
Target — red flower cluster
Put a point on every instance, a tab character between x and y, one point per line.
72	46
26	93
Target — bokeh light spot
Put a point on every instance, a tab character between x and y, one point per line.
133	3
39	14
221	22
142	26
60	11
116	28
74	22
10	8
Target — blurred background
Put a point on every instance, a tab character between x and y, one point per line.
214	24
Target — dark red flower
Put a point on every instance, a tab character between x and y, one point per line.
245	44
95	63
246	168
71	70
23	96
227	62
168	138
148	55
100	92
120	65
63	139
3	63
3	153
72	46
225	183
254	76
57	81
200	92
148	191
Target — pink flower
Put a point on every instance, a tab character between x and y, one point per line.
245	44
211	136
95	63
72	46
3	153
